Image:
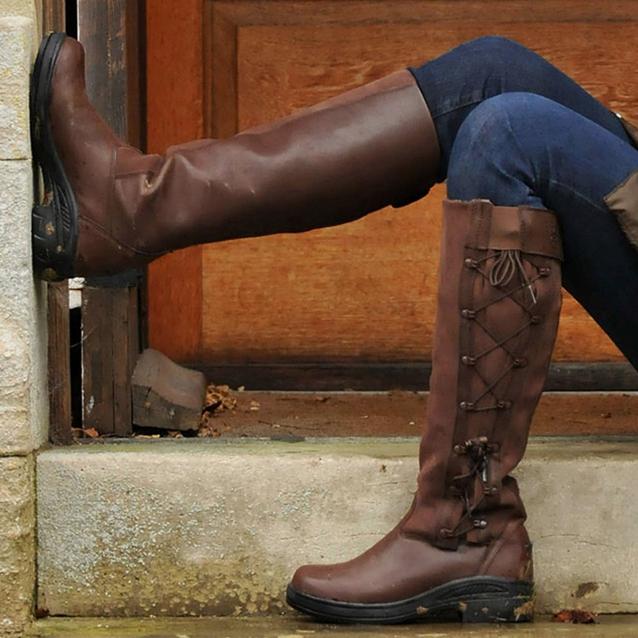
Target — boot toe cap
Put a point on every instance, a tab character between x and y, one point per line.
313	580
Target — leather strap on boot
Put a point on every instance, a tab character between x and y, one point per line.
498	315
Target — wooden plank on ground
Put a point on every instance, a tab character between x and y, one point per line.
166	395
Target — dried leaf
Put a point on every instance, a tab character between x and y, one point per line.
218	400
254	406
575	616
91	432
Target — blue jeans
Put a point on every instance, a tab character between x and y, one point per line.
515	130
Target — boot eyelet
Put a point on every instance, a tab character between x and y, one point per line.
520	362
490	490
468	314
544	272
445	532
468	360
479	524
470	263
503	405
459	449
468	406
536	319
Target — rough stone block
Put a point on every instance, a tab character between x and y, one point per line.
23	397
15	61
30	10
17	543
217	528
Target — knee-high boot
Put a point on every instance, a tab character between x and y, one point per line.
108	207
462	551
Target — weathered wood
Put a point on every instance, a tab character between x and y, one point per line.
365	291
307	414
110	348
52	15
97	360
135	50
52	18
125	353
166	395
59	362
108	31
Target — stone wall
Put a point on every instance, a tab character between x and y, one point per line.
23	386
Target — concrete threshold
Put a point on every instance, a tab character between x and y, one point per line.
216	527
607	627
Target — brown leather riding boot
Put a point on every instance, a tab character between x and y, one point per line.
107	207
462	551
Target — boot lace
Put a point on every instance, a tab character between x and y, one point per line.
507	266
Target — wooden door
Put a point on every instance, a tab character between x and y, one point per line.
363	292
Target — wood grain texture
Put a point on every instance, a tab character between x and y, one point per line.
59	362
110	315
52	18
166	395
110	339
51	15
98	392
175	113
364	291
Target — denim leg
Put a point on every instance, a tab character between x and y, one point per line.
456	82
520	148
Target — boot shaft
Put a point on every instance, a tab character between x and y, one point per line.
498	308
329	164
332	163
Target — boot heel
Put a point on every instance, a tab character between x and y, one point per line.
46	246
54	221
495	610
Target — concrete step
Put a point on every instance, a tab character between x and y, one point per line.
214	527
608	627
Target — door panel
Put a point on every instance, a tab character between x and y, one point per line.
364	291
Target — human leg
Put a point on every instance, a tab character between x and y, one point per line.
464	537
455	83
521	149
462	552
514	157
108	207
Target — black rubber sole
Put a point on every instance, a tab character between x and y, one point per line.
480	599
54	220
